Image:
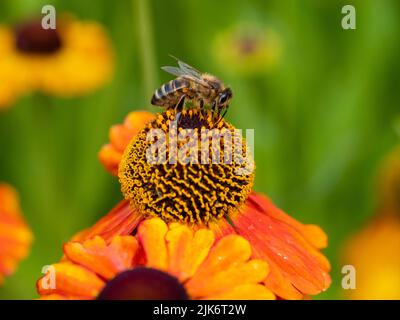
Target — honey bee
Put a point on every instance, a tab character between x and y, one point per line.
191	84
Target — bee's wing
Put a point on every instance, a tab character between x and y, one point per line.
173	70
184	73
187	69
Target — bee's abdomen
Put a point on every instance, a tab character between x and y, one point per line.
169	93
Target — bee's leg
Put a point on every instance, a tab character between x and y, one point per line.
201	106
223	115
179	108
213	109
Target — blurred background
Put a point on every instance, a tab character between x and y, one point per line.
324	103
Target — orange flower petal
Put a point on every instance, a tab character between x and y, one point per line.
223	281
8	200
53	296
104	260
121	220
221	228
187	250
120	135
8	264
226	267
110	158
312	233
14	231
15	236
296	266
70	279
244	292
279	283
136	120
152	237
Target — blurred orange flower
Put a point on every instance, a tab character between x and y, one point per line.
161	262
73	59
15	236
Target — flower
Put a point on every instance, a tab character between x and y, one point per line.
247	49
161	262
374	253
73	59
15	236
375	250
291	249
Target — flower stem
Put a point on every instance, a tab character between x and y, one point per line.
146	43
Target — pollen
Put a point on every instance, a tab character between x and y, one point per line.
188	168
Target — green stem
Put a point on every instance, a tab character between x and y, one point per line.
146	41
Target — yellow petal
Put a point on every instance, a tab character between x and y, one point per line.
231	251
104	260
187	251
70	280
253	271
244	292
152	237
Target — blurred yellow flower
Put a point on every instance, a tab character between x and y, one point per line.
375	251
15	236
375	254
247	49
73	59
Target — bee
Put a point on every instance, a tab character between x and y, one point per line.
201	88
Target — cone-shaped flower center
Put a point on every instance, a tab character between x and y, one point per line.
143	284
31	38
194	172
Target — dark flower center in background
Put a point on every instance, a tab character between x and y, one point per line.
143	284
247	44
31	38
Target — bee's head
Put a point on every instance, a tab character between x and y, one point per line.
224	97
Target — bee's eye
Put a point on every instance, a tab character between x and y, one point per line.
223	98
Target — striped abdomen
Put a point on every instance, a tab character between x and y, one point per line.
169	93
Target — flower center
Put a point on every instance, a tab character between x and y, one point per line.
31	38
194	173
143	284
247	44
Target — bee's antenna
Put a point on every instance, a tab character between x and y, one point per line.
173	57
